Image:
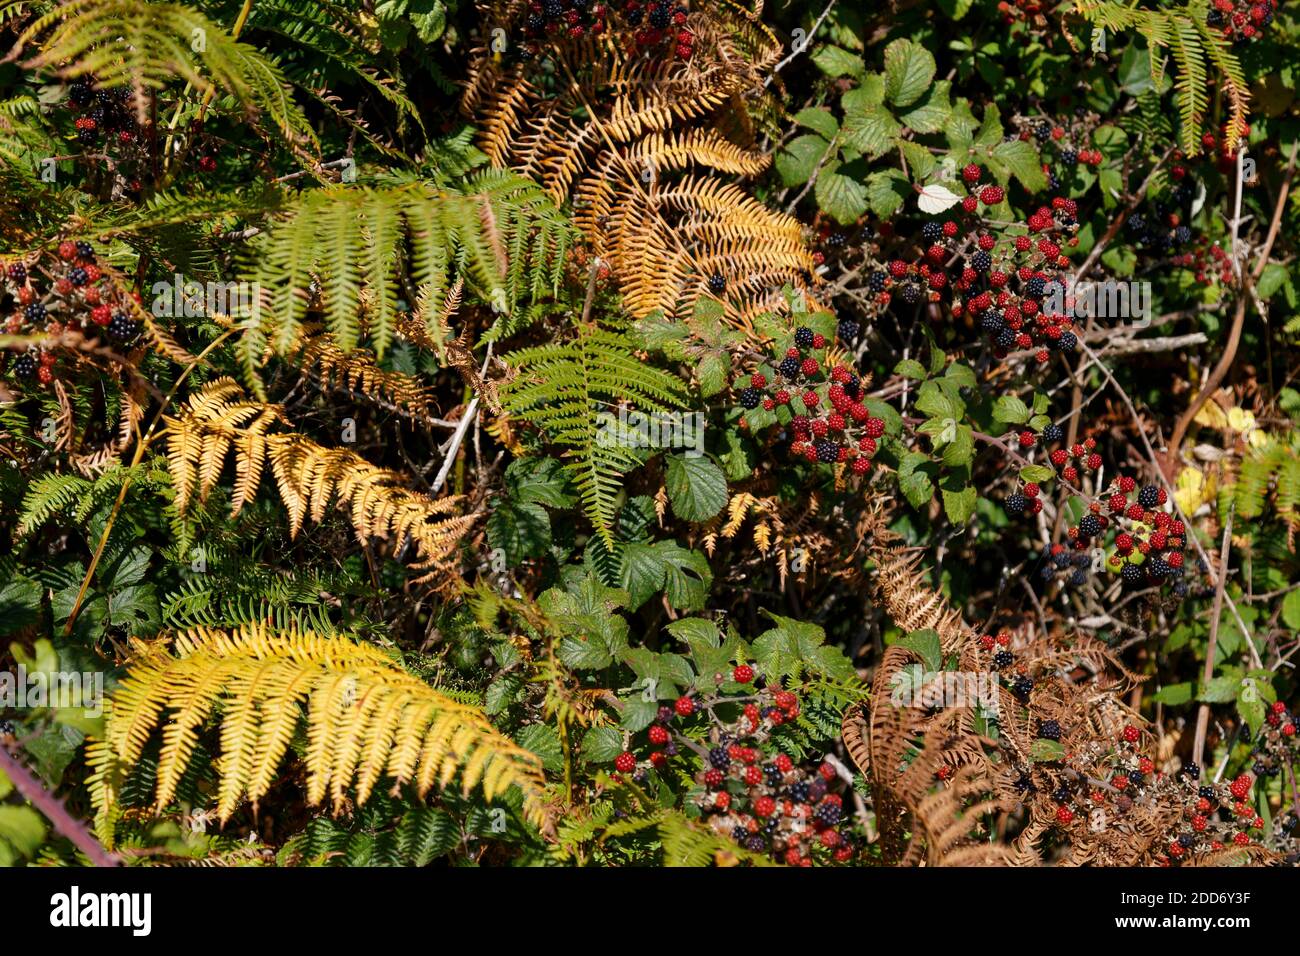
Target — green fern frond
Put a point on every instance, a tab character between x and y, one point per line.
149	46
345	250
566	387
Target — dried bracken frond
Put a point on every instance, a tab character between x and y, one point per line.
309	476
358	372
642	145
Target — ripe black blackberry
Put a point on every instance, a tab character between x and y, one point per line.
799	792
1034	287
981	261
837	240
1046	572
80	92
932	231
123	328
1080	559
719	758
828	452
1043	131
1182	235
789	367
1137	224
1149	496
85	252
1089	525
772	775
1003	659
1069	157
1022	687
1135	777
1049	730
1205	793
991	322
1007	339
1214	18
1158	568
1077	578
750	397
910	294
1053	180
77	276
1067	341
1061	560
828	814
536	23
755	843
1062	793
1193	770
1186	840
852	387
717	283
1131	573
1015	503
24	366
661	14
1052	432
847	329
18	273
35	312
877	281
803	337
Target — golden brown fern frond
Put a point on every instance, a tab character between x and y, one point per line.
952	823
358	372
309	476
640	144
365	719
913	605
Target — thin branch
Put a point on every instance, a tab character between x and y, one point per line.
1203	715
48	804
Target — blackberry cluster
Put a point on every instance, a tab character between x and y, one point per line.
748	789
54	294
824	408
1241	20
105	120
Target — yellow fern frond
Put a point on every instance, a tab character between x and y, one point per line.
365	719
309	476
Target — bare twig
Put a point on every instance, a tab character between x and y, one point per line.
1203	715
48	804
